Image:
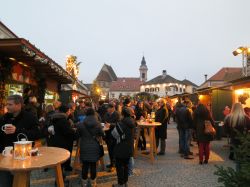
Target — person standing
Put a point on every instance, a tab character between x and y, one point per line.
161	116
21	122
112	117
124	147
90	130
62	134
201	114
184	121
140	113
237	120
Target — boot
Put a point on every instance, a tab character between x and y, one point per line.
84	182
162	147
93	183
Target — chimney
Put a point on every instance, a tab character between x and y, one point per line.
164	73
205	77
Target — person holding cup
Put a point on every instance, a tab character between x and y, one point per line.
15	121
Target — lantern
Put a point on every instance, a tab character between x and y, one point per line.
22	148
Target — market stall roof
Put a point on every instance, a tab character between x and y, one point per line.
23	51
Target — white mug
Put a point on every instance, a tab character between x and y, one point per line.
7	151
6	125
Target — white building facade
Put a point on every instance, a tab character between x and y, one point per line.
165	85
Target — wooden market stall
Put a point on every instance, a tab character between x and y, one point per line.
24	69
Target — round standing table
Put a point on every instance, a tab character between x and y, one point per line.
49	157
152	142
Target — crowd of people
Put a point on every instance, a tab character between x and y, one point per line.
84	122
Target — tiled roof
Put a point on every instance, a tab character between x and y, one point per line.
126	84
187	82
226	74
106	74
111	71
162	79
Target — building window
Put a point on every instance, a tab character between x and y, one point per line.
167	88
113	95
184	90
180	89
157	89
152	90
143	75
146	89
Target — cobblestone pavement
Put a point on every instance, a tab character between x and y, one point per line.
169	170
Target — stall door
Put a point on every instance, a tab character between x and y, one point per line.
220	99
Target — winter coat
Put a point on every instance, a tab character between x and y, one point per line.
199	123
64	133
161	116
245	126
184	118
25	123
125	148
112	119
89	131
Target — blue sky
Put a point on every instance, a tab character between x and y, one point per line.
187	38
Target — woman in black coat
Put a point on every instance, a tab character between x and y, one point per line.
161	116
202	114
90	130
124	147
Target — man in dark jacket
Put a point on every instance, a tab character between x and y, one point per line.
64	134
21	122
111	117
184	121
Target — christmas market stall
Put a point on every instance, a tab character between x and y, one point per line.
25	70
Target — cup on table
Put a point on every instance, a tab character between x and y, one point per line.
102	124
7	151
5	126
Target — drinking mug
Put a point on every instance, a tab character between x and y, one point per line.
7	151
6	125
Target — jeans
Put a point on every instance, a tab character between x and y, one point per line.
131	164
6	179
184	141
122	170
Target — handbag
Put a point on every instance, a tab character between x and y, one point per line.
101	148
209	129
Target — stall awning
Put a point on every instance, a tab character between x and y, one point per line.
22	50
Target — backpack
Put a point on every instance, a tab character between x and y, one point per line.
118	133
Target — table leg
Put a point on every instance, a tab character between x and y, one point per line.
136	141
21	179
151	142
154	140
59	176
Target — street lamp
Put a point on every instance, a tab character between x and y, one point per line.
244	51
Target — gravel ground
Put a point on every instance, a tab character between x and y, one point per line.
168	170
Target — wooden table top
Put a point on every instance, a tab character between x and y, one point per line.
147	124
49	156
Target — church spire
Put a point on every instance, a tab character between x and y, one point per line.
143	70
143	61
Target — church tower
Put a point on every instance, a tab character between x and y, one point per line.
143	70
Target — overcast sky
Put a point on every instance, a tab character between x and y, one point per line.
188	38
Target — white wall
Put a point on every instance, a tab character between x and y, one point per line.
160	89
116	94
